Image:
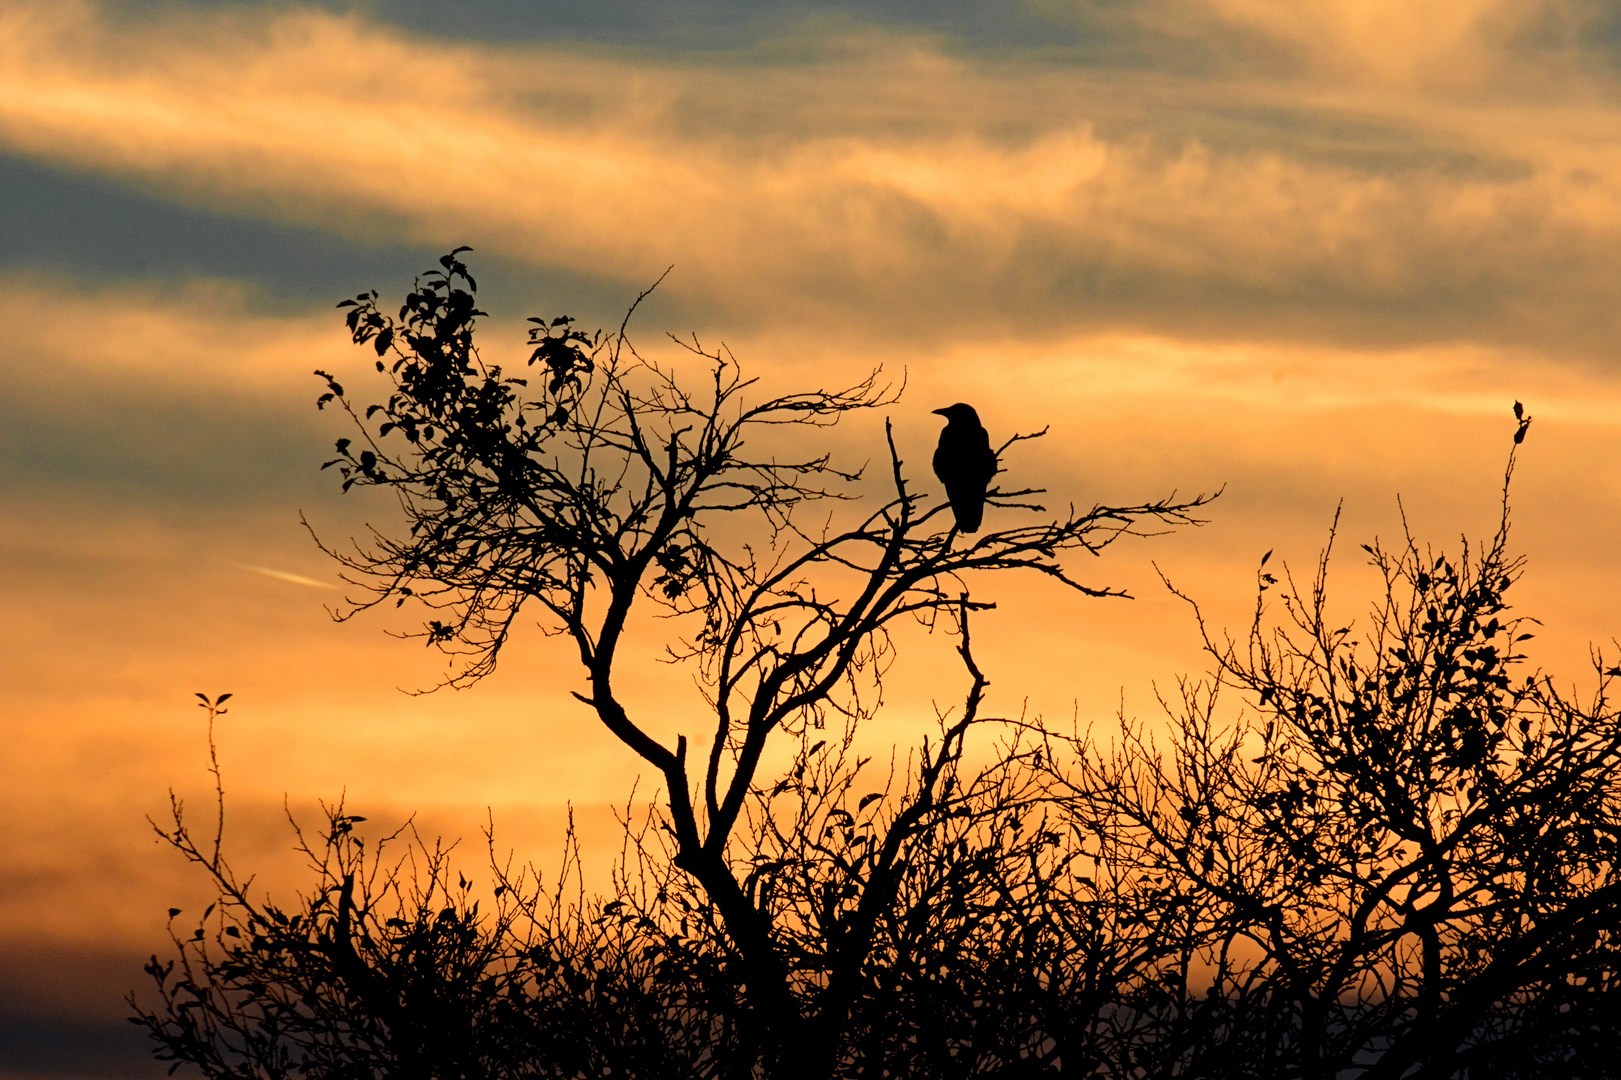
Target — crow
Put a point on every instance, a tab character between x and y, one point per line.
965	463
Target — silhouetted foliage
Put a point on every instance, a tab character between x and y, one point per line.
390	967
1393	855
1399	859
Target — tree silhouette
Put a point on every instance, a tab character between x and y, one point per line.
614	481
1393	855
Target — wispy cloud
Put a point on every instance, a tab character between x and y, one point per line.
283	575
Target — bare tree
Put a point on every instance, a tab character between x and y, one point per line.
615	482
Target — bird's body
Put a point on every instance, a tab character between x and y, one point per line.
965	464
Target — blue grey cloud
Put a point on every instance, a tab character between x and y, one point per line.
697	25
99	436
99	230
62	1013
95	230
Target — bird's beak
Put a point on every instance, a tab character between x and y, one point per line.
941	412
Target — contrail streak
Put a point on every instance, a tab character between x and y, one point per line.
283	575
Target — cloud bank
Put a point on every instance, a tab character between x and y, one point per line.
1398	175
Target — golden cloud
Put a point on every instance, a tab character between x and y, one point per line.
890	186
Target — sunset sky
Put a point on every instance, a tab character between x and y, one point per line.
1305	250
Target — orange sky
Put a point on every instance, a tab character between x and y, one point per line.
1311	251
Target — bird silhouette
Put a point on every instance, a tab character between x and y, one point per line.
965	463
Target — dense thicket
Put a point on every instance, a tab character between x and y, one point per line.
1385	850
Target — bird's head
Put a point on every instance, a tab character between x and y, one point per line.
959	412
